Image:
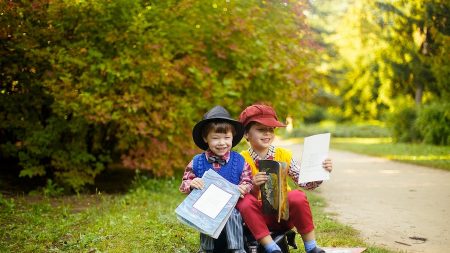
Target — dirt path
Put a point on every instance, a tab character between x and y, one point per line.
389	202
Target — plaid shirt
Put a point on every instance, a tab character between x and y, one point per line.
188	176
294	168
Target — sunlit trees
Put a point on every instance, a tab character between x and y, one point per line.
387	55
89	84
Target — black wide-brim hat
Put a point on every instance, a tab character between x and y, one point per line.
216	114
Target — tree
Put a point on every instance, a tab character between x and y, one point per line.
386	49
124	81
416	31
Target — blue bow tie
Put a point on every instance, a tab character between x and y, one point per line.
216	159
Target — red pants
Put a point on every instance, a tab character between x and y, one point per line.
259	224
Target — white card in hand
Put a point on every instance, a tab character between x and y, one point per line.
315	151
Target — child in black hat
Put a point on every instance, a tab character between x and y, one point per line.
217	133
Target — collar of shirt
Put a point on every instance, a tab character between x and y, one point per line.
270	154
226	156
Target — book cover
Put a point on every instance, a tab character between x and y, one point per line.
208	210
274	191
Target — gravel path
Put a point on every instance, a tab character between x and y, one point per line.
394	205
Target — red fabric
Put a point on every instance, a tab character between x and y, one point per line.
259	224
262	114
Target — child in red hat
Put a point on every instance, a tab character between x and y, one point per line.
259	122
217	133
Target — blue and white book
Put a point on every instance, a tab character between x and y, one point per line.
208	210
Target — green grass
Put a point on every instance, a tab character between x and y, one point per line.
142	220
362	129
420	154
373	138
139	221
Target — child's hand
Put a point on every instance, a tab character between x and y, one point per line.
327	164
243	190
260	178
197	183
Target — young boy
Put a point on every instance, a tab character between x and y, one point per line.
217	133
259	122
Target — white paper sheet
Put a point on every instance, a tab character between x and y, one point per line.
212	201
315	151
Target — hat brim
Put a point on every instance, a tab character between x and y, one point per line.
197	132
270	122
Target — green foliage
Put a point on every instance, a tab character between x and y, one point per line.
402	125
340	130
8	205
433	122
43	139
421	154
428	123
51	189
379	51
90	84
142	220
315	115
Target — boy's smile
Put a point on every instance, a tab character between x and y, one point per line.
260	136
266	140
219	143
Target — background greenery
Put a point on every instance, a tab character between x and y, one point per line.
88	88
90	85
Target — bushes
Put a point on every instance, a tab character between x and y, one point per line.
402	126
429	124
89	84
433	122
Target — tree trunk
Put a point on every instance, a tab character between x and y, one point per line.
419	94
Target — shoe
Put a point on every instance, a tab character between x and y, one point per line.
316	250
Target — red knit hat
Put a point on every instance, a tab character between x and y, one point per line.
262	114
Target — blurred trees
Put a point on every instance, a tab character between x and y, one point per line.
90	84
385	56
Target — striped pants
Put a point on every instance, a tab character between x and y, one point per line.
235	235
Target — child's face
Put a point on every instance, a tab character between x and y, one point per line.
260	136
219	143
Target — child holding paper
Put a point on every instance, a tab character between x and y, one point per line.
217	133
259	122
